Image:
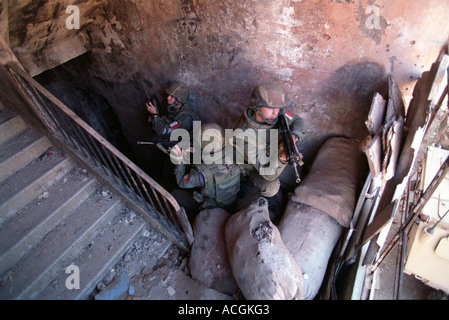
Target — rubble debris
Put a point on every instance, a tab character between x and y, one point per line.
392	134
373	153
386	125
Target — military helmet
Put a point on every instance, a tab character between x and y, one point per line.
268	95
209	132
180	91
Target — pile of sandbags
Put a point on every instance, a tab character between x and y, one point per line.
247	251
321	206
244	251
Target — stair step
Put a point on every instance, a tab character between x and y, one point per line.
19	189
19	151
10	125
57	250
27	227
99	257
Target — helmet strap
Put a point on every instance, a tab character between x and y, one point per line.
175	106
263	117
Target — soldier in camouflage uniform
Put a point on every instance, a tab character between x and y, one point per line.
180	115
217	184
266	105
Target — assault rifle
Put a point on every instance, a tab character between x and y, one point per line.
155	101
164	141
294	158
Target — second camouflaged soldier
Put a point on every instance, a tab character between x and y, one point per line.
266	106
217	183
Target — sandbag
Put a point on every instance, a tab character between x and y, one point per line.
209	262
310	235
260	262
334	179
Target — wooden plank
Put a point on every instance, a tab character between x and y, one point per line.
376	114
380	221
374	155
394	139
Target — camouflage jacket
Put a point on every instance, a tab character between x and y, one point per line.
182	118
248	149
219	184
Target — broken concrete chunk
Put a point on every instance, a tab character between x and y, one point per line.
262	265
209	261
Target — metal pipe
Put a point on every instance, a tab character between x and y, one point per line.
432	230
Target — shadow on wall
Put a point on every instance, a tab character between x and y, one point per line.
343	104
341	107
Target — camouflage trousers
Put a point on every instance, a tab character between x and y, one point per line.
267	188
270	188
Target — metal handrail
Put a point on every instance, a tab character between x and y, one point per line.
63	124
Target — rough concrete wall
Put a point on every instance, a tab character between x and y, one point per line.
329	56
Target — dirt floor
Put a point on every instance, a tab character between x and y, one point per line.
153	269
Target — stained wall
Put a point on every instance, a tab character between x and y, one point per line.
329	56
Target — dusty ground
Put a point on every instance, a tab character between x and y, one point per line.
150	254
153	269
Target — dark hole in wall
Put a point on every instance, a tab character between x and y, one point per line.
72	85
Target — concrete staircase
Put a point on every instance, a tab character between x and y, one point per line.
53	214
